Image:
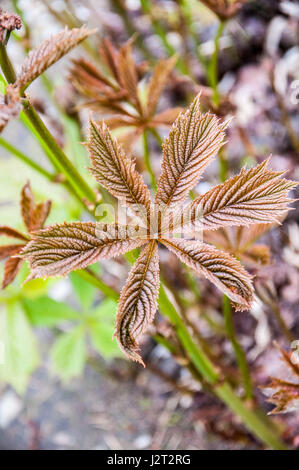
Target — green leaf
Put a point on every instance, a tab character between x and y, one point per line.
84	291
18	349
101	329
44	311
68	354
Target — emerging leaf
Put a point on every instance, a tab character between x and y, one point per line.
10	106
219	267
255	195
138	301
193	142
59	249
11	269
114	170
49	52
34	216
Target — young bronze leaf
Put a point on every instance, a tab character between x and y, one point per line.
128	74
158	81
27	205
9	250
49	52
39	215
193	142
114	170
10	106
11	269
219	267
12	233
255	195
59	249
165	118
138	301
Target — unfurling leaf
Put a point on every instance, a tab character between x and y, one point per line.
114	170
34	216
11	269
9	250
59	249
10	105
255	195
219	267
49	52
138	301
193	142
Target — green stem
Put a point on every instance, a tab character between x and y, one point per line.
147	160
221	388
238	350
90	277
61	160
63	163
6	65
213	66
10	148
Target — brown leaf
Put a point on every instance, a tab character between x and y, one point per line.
138	301
61	248
10	106
39	215
11	269
114	170
49	52
256	255
255	195
165	118
128	74
286	392
27	205
193	142
9	250
12	233
157	83
219	267
34	216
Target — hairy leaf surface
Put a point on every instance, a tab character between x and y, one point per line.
193	142
219	267
114	170
49	52
138	301
255	195
66	247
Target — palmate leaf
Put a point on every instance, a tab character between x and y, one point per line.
219	267
114	170
138	301
193	142
61	248
255	195
49	52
